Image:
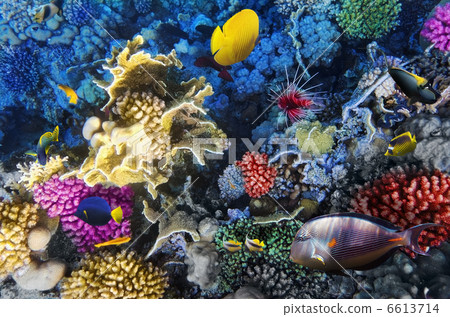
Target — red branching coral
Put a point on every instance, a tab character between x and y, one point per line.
407	197
259	177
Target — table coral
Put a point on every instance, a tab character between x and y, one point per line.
408	197
368	18
62	197
437	28
16	221
142	145
259	177
114	276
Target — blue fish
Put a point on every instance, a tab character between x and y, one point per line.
43	145
97	212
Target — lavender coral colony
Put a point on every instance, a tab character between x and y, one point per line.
170	149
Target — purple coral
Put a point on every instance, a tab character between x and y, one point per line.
437	28
61	198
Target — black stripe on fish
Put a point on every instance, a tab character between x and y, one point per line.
47	12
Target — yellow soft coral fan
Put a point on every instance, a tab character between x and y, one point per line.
16	221
106	275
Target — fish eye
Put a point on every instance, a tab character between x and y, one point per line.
301	238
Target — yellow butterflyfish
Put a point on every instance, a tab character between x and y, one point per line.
401	145
69	93
232	245
254	245
239	37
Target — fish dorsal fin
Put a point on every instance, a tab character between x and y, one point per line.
55	134
372	219
419	80
46	135
217	39
117	214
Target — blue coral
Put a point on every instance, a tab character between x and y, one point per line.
20	69
78	12
143	6
231	183
318	36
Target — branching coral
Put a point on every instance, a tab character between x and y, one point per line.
407	197
368	18
107	275
437	28
62	197
141	146
16	221
258	175
35	173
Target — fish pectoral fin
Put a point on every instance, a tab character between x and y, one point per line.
85	213
117	214
318	257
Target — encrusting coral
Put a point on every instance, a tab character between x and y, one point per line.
157	117
16	221
314	138
107	275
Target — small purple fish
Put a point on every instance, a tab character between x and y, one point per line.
351	241
208	61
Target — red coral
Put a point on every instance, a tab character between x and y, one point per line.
408	197
259	177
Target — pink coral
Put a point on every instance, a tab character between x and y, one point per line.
437	28
259	177
61	198
407	197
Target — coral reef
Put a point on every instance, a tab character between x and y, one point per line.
408	197
203	267
314	138
437	28
231	183
259	177
147	134
16	221
35	173
107	275
368	19
62	197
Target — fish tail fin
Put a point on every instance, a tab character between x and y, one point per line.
117	214
55	134
412	237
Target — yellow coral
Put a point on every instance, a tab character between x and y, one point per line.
106	275
314	138
16	221
35	173
142	145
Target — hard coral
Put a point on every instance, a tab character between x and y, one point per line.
16	221
35	173
258	175
437	28
408	197
78	12
368	18
141	146
106	275
62	197
231	183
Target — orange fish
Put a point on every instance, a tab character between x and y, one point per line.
116	241
69	93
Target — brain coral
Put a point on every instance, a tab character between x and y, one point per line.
107	275
368	18
16	221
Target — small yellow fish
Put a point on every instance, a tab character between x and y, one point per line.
401	144
232	245
44	145
239	37
231	185
116	241
47	11
254	245
70	93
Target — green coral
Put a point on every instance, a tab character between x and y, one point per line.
314	138
277	237
368	18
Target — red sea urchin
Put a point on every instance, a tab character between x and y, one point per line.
295	101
